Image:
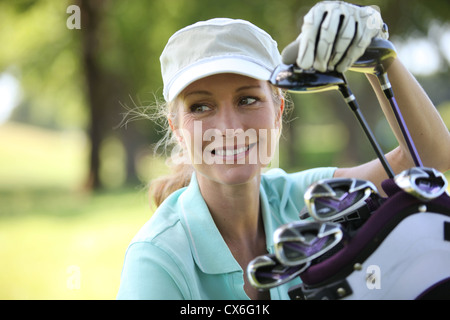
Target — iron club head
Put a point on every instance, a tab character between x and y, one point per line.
331	199
266	272
301	242
423	183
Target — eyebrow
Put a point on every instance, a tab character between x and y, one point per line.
255	86
205	92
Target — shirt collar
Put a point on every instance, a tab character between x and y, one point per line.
209	249
267	218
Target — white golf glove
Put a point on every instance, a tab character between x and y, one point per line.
334	35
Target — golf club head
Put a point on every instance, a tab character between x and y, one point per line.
301	242
331	199
423	183
266	272
377	56
292	78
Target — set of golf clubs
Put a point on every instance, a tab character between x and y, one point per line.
334	205
338	207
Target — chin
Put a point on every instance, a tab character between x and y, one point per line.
232	174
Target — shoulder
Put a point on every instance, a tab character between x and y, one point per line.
151	272
283	192
164	229
158	258
163	238
278	180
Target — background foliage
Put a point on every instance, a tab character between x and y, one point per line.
72	178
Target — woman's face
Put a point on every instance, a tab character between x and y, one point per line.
229	125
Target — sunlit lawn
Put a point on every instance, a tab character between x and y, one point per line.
57	242
76	252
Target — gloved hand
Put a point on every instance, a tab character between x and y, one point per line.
334	35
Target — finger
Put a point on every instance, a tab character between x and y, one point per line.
356	50
343	41
373	20
290	52
307	45
305	58
327	37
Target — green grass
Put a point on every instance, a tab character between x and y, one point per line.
75	252
57	242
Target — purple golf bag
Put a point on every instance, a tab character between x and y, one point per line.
401	252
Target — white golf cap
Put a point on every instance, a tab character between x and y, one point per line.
216	46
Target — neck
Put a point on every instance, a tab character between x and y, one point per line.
237	214
234	208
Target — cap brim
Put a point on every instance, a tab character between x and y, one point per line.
216	66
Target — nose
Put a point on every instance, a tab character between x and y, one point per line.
229	121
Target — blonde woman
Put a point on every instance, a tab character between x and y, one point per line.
217	211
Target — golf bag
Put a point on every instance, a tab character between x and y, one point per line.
401	252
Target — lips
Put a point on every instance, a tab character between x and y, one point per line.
232	151
229	152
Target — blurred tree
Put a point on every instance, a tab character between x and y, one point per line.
83	78
96	82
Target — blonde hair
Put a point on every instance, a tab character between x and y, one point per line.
181	172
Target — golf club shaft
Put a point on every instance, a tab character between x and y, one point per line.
389	93
353	104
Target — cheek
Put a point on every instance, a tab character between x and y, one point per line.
268	134
192	133
263	120
187	127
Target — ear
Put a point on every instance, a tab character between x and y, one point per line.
282	106
280	113
169	119
175	131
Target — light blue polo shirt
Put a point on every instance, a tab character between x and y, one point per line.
180	254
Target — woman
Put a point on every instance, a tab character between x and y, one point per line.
218	212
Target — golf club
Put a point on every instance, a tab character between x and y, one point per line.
300	242
293	79
266	272
377	56
426	183
332	199
423	183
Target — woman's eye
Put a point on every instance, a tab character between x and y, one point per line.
247	101
199	108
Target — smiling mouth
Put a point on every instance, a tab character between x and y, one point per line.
231	152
